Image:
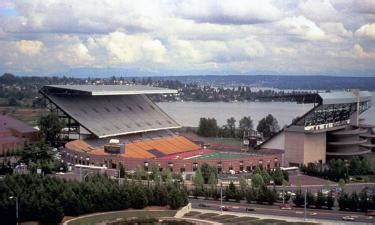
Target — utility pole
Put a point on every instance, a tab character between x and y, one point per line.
15	197
305	203
221	197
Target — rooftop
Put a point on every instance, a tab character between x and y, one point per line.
344	97
100	90
7	122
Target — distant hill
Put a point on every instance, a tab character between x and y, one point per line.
282	81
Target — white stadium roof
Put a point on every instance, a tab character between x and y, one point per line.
98	90
344	97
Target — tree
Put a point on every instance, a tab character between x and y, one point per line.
198	181
175	198
243	185
343	201
355	166
330	200
245	125
278	176
353	201
207	127
207	171
50	128
363	203
138	197
299	198
310	199
268	126
320	200
257	181
231	124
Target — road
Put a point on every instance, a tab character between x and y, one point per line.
274	210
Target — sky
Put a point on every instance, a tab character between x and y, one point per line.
187	37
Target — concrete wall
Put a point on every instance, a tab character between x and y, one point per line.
277	142
251	161
294	148
315	147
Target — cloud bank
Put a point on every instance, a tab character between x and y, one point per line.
330	37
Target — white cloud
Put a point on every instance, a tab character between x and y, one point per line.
366	31
30	48
188	35
319	10
303	28
361	53
229	12
122	48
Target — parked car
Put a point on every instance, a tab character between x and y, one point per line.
285	207
249	209
224	208
348	218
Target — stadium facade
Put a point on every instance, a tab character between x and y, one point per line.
331	129
118	125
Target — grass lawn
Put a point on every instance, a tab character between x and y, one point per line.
123	214
207	215
192	214
223	217
274	222
243	219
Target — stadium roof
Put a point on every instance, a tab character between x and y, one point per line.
100	90
344	97
113	115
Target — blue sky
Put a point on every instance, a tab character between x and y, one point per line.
165	37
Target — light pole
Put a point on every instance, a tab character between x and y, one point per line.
221	197
305	203
15	197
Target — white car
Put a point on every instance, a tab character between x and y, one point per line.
348	218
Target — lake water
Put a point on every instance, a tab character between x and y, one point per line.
189	113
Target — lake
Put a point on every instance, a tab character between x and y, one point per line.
189	113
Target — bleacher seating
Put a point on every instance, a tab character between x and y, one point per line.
145	148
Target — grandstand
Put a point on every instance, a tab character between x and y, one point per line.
331	129
113	125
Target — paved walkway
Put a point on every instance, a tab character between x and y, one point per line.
289	219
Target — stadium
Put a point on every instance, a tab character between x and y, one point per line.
331	129
119	126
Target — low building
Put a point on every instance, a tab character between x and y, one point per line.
14	134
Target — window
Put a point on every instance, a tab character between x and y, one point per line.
138	125
106	109
118	108
140	107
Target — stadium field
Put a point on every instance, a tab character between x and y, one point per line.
219	155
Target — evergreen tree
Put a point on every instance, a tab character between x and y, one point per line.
299	199
330	201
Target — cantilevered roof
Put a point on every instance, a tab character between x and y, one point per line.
108	116
100	90
344	97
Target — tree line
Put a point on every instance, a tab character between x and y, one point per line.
267	126
205	183
48	200
353	202
337	169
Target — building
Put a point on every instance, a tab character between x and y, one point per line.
14	134
331	129
119	126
